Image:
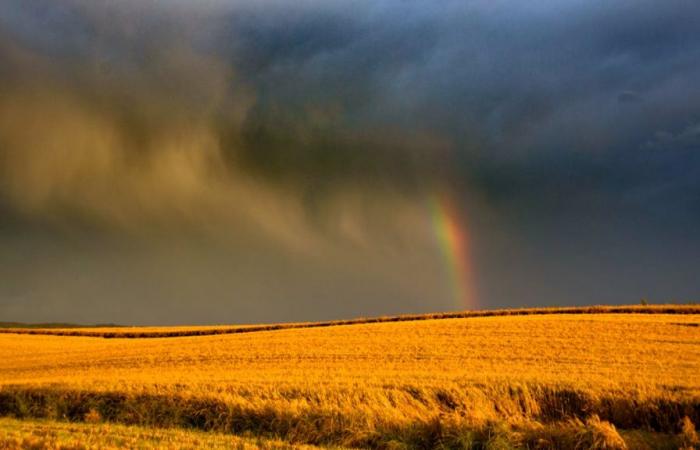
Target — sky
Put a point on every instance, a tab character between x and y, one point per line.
239	161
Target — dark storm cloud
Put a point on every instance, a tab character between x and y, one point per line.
503	87
302	138
389	90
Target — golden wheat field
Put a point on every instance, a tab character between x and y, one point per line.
604	380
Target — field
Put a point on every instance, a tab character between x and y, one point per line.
44	434
611	378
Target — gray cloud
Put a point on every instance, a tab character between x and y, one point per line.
306	138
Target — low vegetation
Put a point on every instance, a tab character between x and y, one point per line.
530	380
115	331
50	435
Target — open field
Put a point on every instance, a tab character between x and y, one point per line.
529	380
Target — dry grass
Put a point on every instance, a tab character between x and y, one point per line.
536	381
52	435
688	436
207	330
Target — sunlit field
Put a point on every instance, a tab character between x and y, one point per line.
44	434
611	380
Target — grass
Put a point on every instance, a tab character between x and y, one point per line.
118	331
51	434
46	434
565	380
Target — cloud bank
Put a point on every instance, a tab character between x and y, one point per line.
173	161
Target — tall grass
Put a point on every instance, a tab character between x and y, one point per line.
438	418
60	435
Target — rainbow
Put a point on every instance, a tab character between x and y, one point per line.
453	239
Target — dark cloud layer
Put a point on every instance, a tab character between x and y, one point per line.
239	160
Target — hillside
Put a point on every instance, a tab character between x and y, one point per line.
120	331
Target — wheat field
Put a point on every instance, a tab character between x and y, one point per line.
565	380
